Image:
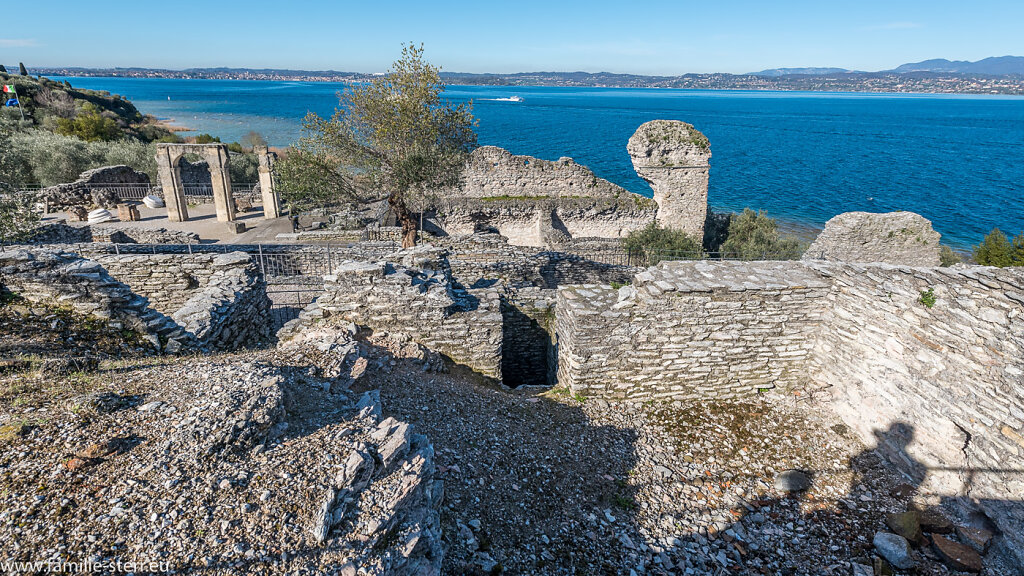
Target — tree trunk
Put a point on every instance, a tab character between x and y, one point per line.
403	215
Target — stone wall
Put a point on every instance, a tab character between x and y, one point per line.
94	187
925	363
541	221
137	235
63	233
220	304
691	330
420	304
483	263
494	172
940	388
67	279
528	352
901	238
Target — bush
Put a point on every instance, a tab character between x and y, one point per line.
47	159
654	244
138	155
17	219
243	168
754	236
947	257
998	250
53	159
90	125
206	139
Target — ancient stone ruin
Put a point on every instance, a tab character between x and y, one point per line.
168	158
96	187
673	157
643	419
549	203
894	238
200	301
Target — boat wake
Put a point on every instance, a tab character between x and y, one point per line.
508	99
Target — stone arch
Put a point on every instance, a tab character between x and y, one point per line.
168	158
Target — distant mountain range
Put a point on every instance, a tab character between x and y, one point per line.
775	72
994	66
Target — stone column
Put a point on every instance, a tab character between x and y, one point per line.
674	158
271	201
170	183
217	158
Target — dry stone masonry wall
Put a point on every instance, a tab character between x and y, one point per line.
690	330
223	306
547	221
61	233
496	172
422	305
945	380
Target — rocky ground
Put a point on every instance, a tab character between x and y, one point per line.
278	461
544	483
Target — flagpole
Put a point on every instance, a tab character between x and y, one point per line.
18	98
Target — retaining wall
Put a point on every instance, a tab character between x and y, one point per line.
421	305
229	310
690	330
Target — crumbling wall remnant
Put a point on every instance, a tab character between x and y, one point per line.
674	158
901	238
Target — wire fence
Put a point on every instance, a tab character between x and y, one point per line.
140	191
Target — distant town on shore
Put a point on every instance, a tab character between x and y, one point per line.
1000	75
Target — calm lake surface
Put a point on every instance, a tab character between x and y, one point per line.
803	157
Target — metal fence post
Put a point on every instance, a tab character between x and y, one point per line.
263	267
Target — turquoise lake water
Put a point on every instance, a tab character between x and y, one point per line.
803	157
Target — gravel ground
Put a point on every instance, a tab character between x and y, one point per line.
164	457
539	482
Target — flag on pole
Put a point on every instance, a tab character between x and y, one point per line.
12	103
9	88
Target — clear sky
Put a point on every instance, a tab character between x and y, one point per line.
655	37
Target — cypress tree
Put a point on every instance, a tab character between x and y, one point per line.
21	69
2	69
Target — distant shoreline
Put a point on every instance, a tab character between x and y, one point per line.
854	82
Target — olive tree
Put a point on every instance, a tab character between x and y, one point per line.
17	219
393	138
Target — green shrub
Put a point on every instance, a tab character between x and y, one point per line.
754	236
206	139
243	168
17	219
90	125
654	244
947	257
927	297
44	158
998	250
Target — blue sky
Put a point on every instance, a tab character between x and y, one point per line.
655	37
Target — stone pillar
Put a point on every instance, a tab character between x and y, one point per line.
271	201
217	158
170	183
674	158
